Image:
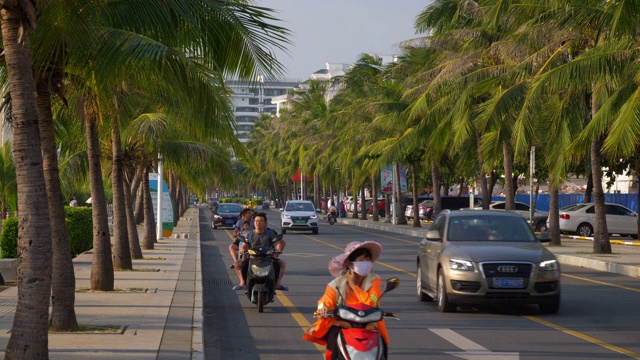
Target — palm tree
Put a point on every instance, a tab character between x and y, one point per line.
29	331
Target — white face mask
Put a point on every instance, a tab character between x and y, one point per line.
362	268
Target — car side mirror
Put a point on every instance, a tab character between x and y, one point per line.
433	235
281	209
318	210
544	236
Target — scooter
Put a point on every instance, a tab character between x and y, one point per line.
332	217
261	278
358	342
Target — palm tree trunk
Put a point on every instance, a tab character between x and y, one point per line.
138	211
396	183
101	265
601	243
29	336
121	251
414	186
482	176
63	281
363	203
279	201
132	228
174	191
509	194
554	213
149	221
435	179
589	188
374	195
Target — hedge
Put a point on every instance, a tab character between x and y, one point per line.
79	226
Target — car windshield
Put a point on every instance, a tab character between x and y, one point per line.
489	228
229	208
299	207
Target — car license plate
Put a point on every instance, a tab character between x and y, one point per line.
508	283
300	222
229	222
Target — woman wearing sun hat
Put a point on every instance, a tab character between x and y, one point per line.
354	283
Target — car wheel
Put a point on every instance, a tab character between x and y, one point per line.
443	301
585	229
284	231
550	308
315	231
541	226
634	236
421	295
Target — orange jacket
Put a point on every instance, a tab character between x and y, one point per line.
368	294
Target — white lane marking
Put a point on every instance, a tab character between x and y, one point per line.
471	350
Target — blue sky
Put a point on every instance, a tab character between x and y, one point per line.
338	31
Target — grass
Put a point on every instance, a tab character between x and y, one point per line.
94	329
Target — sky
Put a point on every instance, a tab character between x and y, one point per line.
338	31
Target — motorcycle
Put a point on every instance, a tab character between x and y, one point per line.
332	217
261	278
358	342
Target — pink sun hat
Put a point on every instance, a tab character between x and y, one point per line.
337	264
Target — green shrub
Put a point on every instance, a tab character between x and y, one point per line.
9	239
79	226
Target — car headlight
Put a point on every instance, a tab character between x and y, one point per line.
549	265
314	216
285	216
462	265
260	271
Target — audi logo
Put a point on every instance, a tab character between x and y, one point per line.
508	269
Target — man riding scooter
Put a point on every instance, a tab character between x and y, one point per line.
261	235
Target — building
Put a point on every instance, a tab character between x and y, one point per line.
251	99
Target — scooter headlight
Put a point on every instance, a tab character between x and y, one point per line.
260	271
350	316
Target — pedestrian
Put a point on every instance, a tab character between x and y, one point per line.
73	202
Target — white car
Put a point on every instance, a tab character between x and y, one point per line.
522	209
580	219
299	215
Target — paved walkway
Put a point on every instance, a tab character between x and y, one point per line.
158	306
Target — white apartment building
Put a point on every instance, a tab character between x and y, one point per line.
251	99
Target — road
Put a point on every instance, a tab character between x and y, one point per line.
598	317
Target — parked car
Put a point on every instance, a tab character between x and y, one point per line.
299	215
226	215
486	257
409	212
446	202
381	210
539	217
351	205
580	219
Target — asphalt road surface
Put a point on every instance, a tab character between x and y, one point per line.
598	317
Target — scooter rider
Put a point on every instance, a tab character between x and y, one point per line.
354	283
262	235
332	212
245	217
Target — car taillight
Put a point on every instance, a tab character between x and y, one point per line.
422	208
565	216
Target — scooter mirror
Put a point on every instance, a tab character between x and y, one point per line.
392	284
240	237
278	237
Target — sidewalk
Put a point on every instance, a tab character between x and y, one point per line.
156	307
575	250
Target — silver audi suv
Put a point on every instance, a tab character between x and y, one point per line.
486	257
